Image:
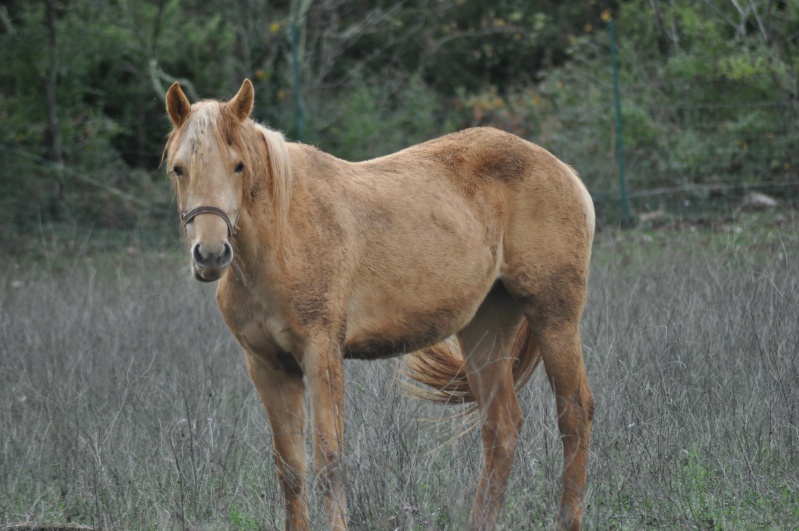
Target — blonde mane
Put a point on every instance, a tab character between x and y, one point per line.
270	166
282	176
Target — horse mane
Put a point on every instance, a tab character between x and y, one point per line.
282	176
263	150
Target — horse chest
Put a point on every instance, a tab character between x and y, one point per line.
255	325
266	334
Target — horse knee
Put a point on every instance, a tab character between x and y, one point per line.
576	413
329	472
291	478
291	483
588	405
501	432
516	420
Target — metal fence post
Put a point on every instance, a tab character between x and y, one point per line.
297	92
625	207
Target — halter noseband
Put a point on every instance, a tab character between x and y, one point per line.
207	209
187	216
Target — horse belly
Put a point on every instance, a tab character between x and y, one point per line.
405	335
429	259
404	314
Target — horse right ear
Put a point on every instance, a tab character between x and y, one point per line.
242	102
177	105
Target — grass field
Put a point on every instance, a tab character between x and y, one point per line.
125	404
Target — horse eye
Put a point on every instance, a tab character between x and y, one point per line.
177	170
239	167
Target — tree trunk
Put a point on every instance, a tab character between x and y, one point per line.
53	127
665	41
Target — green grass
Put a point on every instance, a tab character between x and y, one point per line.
124	402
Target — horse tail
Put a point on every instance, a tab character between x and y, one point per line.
441	368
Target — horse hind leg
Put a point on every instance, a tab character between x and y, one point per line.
553	306
563	362
486	342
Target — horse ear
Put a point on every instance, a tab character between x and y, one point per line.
177	105
241	104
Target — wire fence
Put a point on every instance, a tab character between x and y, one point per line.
717	154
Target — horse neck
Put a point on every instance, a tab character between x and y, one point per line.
254	244
263	245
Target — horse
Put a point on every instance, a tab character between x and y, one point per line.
468	253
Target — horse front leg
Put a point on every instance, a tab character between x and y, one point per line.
324	371
282	393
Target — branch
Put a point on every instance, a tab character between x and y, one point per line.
661	27
724	17
157	76
471	34
759	22
6	20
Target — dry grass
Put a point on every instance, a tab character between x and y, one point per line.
124	403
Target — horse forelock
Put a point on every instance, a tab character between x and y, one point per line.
194	131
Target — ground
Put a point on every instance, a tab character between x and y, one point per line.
124	402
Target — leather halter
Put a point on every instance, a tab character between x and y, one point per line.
187	216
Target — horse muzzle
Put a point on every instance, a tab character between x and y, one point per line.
209	262
211	254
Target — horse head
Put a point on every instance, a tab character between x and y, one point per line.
207	172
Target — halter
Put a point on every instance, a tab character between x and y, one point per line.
206	209
187	216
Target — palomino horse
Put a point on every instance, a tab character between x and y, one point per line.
479	234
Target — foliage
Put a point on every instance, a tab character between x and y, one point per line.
709	88
711	99
371	120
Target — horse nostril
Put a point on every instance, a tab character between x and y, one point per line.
227	254
197	255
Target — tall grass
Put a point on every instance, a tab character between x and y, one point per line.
124	402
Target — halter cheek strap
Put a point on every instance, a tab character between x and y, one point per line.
186	217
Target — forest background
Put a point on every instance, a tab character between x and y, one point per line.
709	91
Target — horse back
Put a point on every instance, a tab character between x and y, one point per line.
415	240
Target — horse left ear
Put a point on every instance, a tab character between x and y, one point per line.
241	104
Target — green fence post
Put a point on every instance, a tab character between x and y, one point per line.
625	207
297	99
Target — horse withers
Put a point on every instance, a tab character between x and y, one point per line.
478	236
